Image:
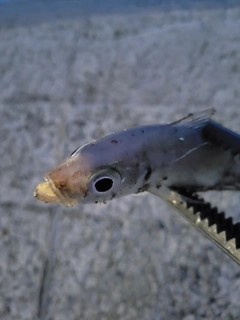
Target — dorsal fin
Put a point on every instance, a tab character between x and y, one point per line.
196	120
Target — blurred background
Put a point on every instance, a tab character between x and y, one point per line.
73	71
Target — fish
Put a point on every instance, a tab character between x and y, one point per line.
193	154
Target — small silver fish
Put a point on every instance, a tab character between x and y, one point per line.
178	156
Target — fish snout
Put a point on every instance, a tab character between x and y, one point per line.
65	184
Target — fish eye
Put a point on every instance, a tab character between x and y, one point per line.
104	182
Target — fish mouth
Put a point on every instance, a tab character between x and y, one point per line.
44	193
48	193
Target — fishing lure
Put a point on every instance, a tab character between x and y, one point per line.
172	161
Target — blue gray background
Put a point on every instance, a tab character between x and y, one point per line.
74	71
28	11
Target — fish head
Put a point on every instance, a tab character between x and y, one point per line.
96	172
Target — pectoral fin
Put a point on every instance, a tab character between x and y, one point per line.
221	136
172	197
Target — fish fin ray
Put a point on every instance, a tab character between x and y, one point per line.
196	120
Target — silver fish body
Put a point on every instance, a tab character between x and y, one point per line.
178	156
